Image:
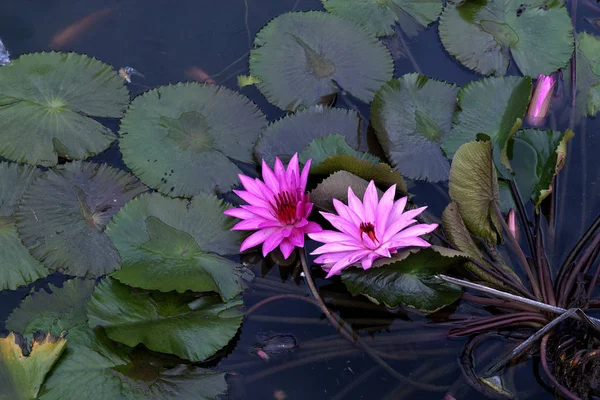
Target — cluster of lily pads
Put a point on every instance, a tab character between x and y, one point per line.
156	234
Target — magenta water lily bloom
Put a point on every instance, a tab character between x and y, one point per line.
368	230
277	209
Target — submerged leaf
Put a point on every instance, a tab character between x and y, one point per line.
490	106
474	188
295	132
411	116
17	266
299	55
46	101
482	35
63	214
22	376
171	244
536	161
408	278
55	312
379	16
164	322
182	139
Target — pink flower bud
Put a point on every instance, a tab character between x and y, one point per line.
511	221
540	101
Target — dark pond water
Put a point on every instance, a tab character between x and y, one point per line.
164	39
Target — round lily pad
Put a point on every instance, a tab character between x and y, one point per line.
182	139
17	266
411	116
379	16
189	327
63	215
172	244
298	55
482	35
293	133
46	104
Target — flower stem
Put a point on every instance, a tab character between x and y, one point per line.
544	361
520	254
514	190
349	334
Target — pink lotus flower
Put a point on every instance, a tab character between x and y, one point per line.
369	230
277	208
540	101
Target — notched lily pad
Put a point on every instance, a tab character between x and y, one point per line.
60	310
46	104
189	327
17	266
483	35
182	140
22	376
299	55
379	16
172	244
408	279
411	116
295	132
62	216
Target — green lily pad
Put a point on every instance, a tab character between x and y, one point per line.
46	101
164	322
55	312
116	372
336	187
474	187
494	107
182	139
379	16
22	376
408	279
17	266
173	244
482	35
63	215
299	55
295	132
320	149
411	116
587	52
536	161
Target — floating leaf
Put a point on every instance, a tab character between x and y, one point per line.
299	55
171	244
474	187
492	106
46	101
322	148
482	35
17	266
295	132
115	374
379	16
55	312
63	214
182	139
247	80
411	116
22	376
535	161
336	187
587	52
408	279
164	322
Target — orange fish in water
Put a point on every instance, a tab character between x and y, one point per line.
200	75
73	31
